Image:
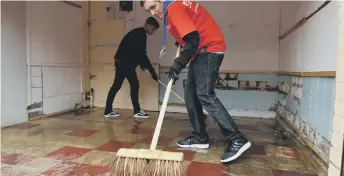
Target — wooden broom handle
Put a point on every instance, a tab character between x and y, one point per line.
180	98
162	112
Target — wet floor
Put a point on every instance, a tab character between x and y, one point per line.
86	145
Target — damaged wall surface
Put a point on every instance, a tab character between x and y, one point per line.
235	90
307	103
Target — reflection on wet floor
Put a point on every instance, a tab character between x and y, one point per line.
86	145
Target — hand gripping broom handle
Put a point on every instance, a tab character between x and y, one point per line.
162	112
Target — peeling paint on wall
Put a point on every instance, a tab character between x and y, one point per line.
306	130
235	90
35	105
230	81
307	104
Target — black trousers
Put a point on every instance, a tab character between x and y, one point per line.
121	74
199	92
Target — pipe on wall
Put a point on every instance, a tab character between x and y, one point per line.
303	21
28	52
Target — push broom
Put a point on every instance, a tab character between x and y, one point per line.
150	162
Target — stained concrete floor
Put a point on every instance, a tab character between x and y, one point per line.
86	145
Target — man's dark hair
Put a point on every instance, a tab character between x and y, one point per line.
152	21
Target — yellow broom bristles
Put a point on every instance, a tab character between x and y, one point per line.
163	168
127	166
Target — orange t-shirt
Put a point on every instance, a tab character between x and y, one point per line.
186	16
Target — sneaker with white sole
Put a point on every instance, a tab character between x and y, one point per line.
194	141
112	115
238	144
141	115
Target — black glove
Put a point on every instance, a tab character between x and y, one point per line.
154	76
173	74
178	65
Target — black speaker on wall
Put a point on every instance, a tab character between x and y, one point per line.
126	6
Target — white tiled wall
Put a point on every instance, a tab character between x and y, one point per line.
338	121
333	170
340	65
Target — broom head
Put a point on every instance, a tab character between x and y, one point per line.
145	162
150	154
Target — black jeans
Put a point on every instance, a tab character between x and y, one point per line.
199	92
121	74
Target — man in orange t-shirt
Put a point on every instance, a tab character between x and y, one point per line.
203	48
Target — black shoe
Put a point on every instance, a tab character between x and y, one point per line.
194	141
112	115
237	145
141	115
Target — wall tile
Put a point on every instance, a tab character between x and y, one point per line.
340	66
337	140
341	10
338	125
316	105
341	25
323	84
322	108
330	86
336	156
314	83
338	109
341	44
324	126
340	91
332	107
241	99
313	113
306	83
332	170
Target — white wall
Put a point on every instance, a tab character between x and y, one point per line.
251	41
55	35
312	47
13	64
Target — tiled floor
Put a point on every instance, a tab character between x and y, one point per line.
87	144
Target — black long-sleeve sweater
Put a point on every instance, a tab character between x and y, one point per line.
132	50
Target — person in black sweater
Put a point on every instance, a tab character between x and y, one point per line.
131	53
